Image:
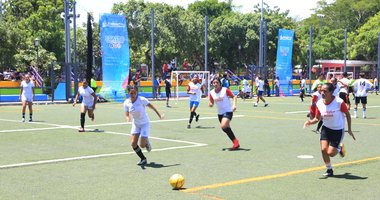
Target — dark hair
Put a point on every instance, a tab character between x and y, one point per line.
330	87
132	87
345	74
218	79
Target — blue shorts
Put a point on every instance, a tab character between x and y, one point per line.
194	104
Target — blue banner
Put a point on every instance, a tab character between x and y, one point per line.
284	60
115	56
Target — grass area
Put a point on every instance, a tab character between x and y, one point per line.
16	91
49	159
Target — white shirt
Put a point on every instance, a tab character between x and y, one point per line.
195	88
221	100
303	83
88	99
362	85
137	110
332	114
260	85
27	90
376	82
343	81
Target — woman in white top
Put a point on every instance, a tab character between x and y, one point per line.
88	103
220	96
332	111
134	108
27	95
195	90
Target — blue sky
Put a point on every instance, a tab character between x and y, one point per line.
299	9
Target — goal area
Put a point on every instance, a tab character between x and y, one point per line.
182	78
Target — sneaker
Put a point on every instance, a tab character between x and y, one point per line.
23	120
81	130
364	116
235	145
197	118
188	126
328	173
316	131
255	105
355	116
342	151
266	104
142	162
148	146
30	120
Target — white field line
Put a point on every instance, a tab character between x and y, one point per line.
89	157
306	111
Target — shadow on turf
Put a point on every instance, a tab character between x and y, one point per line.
204	127
157	165
347	176
96	131
238	149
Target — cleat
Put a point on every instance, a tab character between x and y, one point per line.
188	126
236	145
197	118
148	146
142	162
266	104
30	120
255	105
23	120
342	151
328	173
316	131
81	130
364	116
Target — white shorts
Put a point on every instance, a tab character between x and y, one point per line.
143	130
89	105
27	99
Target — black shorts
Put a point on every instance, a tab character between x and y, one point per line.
363	100
227	115
344	96
350	89
333	136
167	93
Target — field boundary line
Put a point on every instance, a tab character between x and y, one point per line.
274	176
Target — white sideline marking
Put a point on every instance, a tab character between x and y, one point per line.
306	111
88	157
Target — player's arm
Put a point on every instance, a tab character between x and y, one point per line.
314	120
344	109
76	99
127	117
234	99
95	99
211	101
21	90
156	111
34	93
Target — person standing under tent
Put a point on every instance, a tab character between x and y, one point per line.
302	88
195	90
361	86
332	111
220	96
260	86
88	103
376	83
168	86
343	89
27	96
134	108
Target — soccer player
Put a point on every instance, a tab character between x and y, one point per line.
260	86
332	110
376	83
140	130
220	96
318	81
302	88
27	96
88	103
195	90
315	97
343	89
168	86
361	86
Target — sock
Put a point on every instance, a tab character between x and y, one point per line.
364	111
328	166
139	152
355	111
192	115
23	115
229	133
82	119
30	115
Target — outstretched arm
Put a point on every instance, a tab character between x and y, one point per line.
156	111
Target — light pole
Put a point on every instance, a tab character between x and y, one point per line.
239	48
36	44
320	16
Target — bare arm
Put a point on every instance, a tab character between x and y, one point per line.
76	99
348	118
234	103
156	111
95	99
127	118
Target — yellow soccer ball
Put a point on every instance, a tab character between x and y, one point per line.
177	181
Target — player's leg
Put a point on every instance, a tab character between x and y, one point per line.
225	120
83	111
30	106
134	143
